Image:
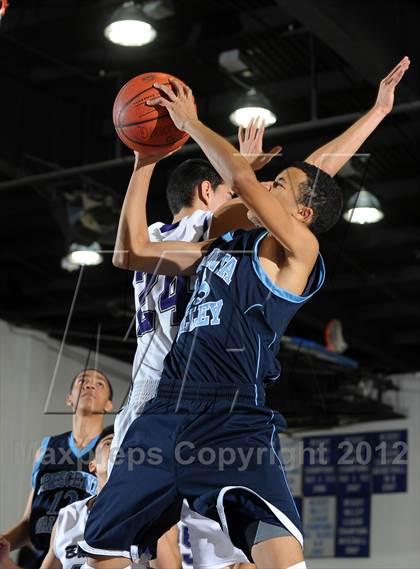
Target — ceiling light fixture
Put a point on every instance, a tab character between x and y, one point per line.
363	207
82	255
129	27
252	105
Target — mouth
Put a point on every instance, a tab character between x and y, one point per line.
88	396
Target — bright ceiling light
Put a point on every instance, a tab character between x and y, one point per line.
363	207
82	255
251	106
128	26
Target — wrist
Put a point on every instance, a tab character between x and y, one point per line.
380	111
190	124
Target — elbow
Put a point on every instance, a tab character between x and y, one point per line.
120	260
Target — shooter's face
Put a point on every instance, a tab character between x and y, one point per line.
287	187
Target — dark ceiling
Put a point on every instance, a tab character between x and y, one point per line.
315	60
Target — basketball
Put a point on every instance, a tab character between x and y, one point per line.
149	130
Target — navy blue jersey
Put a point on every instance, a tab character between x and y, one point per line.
60	476
236	317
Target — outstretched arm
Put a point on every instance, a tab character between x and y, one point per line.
295	237
133	249
332	156
233	214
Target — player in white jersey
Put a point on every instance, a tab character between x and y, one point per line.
202	207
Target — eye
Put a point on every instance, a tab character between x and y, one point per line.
278	183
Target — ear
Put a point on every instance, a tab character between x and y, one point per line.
92	466
204	192
108	406
69	400
305	214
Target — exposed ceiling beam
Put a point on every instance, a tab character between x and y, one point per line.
189	148
348	30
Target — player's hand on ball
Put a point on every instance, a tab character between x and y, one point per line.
179	102
385	99
251	144
141	161
4	548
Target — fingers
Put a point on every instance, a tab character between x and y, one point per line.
168	90
255	128
241	134
158	101
403	64
275	150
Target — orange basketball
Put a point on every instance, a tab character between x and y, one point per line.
149	130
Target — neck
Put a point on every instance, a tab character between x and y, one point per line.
86	427
101	483
186	211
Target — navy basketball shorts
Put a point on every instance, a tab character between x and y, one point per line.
216	448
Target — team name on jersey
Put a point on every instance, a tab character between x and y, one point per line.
73	551
81	480
201	313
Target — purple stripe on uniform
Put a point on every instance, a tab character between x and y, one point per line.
168	226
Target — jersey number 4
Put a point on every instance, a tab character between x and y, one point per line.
174	298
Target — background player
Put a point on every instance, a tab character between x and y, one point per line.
70	524
60	473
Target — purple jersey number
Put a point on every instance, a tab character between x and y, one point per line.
174	297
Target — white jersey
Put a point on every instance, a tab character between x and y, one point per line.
185	546
160	305
161	300
69	530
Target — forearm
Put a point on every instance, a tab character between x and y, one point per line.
224	157
228	217
132	231
18	536
332	156
8	564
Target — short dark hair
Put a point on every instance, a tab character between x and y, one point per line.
184	179
105	433
323	195
111	391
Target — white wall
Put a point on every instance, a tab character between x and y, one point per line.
27	362
395	518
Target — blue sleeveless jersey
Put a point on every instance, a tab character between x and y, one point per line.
60	476
236	317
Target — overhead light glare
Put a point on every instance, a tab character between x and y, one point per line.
252	105
81	255
129	27
363	207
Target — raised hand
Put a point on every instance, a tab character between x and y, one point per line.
179	102
385	99
251	144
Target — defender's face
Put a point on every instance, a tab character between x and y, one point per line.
287	188
220	195
90	393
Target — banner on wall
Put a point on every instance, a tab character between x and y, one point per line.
339	475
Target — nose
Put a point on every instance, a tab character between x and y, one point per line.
88	385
